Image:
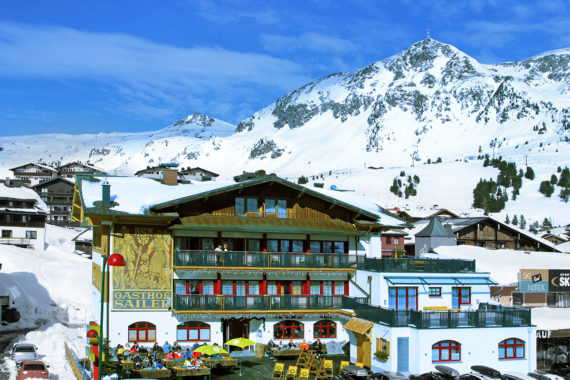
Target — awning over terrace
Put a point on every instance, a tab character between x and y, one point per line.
414	280
359	326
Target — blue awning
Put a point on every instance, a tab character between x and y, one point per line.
421	280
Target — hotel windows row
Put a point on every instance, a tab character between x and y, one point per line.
406	298
450	350
258	288
194	331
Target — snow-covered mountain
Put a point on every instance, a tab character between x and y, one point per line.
426	103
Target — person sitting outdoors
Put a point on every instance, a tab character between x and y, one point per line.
271	347
134	349
318	347
166	347
138	361
291	345
143	350
187	354
169	356
178	354
120	351
304	346
156	347
176	346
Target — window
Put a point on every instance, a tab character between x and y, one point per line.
324	329
339	288
276	208
388	240
193	331
403	298
435	291
142	332
517	299
315	288
246	207
227	287
511	348
288	330
31	234
44	190
460	296
446	351
6	233
382	345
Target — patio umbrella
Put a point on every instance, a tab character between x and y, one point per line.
241	343
210	350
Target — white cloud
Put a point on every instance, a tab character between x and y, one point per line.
153	74
316	42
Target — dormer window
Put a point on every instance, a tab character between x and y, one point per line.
276	208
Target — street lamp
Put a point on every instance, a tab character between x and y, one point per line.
115	260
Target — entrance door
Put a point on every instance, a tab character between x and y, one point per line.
235	328
363	349
403	354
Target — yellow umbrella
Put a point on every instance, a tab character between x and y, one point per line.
241	343
210	350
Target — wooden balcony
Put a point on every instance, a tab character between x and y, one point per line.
239	259
255	303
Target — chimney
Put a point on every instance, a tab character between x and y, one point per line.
7	181
106	196
170	177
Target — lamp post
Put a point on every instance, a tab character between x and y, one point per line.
115	260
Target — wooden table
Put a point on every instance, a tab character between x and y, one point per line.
287	352
127	365
152	373
171	363
225	362
180	372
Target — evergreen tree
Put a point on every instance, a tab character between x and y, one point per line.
515	221
507	221
565	194
416	179
402	173
523	222
553	179
529	173
546	223
302	180
546	188
564	180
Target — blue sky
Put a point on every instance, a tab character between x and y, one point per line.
137	65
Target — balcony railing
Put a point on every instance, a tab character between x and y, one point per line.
501	317
266	259
15	241
258	303
418	265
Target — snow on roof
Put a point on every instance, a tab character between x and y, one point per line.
34	164
362	202
564	247
550	318
23	193
504	264
135	195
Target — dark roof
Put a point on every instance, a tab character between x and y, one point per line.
183	171
53	180
34	164
261	180
435	229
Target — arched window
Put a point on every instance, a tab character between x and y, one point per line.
511	348
446	351
193	331
324	329
142	332
288	330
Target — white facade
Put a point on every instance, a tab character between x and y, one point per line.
477	346
23	236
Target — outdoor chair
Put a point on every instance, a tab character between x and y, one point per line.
304	374
359	364
342	365
328	366
277	373
291	373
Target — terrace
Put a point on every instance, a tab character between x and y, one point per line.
483	317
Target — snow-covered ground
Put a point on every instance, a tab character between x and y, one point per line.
51	290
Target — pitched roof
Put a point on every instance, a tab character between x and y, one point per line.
435	229
45	167
66	180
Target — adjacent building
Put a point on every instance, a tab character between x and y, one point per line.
22	217
57	193
33	174
71	169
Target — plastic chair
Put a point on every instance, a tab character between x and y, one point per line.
304	374
359	364
277	373
291	373
328	365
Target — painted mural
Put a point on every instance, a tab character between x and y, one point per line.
144	282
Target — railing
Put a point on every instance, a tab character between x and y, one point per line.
266	259
418	265
505	317
281	214
260	303
15	241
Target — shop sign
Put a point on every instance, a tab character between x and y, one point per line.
543	334
534	280
559	280
140	299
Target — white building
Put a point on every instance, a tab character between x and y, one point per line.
424	312
22	217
